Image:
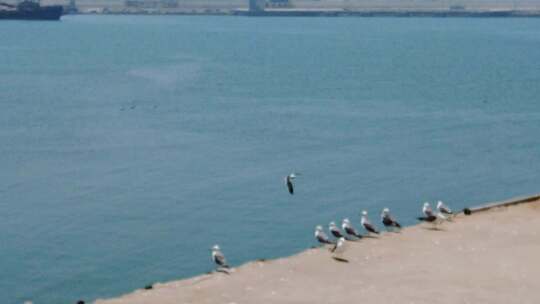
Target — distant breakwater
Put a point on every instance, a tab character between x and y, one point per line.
299	12
385	13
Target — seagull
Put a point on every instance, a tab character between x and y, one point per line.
427	211
388	221
429	216
321	236
335	230
367	224
443	208
349	229
218	257
288	181
339	249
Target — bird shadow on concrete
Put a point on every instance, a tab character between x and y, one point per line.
368	236
323	246
223	270
434	228
342	260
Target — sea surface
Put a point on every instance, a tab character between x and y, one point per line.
129	145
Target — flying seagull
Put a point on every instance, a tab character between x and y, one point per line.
367	224
335	230
321	236
443	208
289	182
349	229
388	221
218	257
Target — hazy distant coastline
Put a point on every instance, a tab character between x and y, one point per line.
442	8
336	13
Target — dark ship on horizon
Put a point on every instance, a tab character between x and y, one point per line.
30	10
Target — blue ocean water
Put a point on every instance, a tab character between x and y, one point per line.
130	145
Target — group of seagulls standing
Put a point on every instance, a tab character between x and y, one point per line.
347	231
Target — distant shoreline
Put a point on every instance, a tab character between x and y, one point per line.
470	256
334	13
388	13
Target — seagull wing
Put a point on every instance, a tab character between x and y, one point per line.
323	238
219	258
394	222
352	231
290	186
429	219
387	221
336	233
370	228
445	209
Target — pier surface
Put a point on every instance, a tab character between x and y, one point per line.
488	257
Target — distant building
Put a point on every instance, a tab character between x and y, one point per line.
140	4
256	5
169	3
457	7
278	3
151	3
71	8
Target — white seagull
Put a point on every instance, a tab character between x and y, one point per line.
388	221
349	229
339	248
430	216
289	182
218	257
367	224
335	230
426	209
443	208
321	236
